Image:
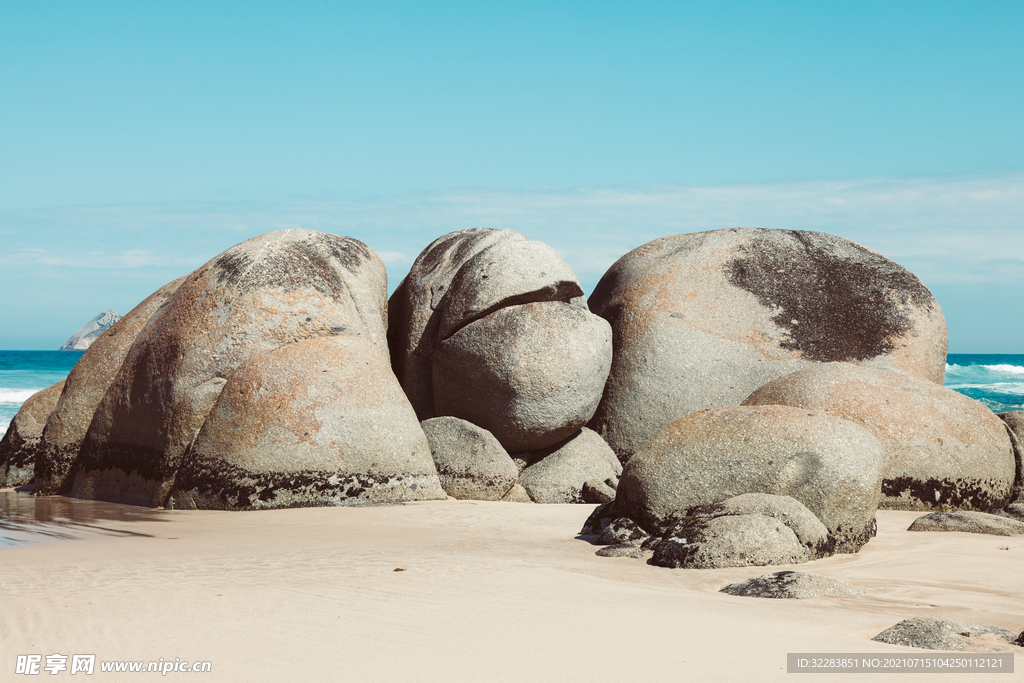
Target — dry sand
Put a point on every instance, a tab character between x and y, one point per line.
489	592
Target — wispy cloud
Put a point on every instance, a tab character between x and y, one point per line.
946	230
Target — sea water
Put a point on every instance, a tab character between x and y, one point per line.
23	373
997	380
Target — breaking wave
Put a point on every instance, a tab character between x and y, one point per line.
16	396
1000	385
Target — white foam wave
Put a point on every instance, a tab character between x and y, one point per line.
4	424
984	373
1012	369
16	395
1009	388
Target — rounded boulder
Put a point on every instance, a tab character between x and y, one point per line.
832	466
470	462
943	450
318	422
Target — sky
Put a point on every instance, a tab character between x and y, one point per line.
139	140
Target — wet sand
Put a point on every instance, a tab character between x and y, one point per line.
488	592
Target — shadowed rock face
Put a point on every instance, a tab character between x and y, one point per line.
490	327
1014	422
20	446
275	289
943	450
470	462
86	384
703	319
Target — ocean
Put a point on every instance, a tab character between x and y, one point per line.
995	380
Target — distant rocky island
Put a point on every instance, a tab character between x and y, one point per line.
92	331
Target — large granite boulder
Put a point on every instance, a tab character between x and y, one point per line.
86	384
491	327
559	474
943	450
832	466
19	448
701	320
318	422
269	291
471	463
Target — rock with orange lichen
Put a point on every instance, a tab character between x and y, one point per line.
270	291
319	422
943	450
701	320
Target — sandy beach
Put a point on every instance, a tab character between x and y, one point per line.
488	592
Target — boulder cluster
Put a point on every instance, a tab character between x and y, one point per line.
734	397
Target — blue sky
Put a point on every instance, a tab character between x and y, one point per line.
138	140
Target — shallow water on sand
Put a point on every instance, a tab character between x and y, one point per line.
26	519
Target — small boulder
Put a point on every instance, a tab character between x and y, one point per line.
599	492
968	522
517	494
789	584
938	634
701	320
558	474
738	541
623	550
317	422
808	529
470	462
1013	511
20	446
623	531
832	466
943	450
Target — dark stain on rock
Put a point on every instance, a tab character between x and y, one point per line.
953	494
294	265
835	308
206	484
